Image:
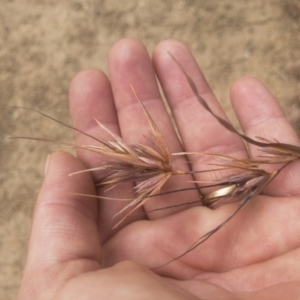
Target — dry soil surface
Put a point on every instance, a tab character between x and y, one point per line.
44	43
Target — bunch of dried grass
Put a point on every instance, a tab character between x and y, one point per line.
150	166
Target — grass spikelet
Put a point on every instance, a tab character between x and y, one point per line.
150	166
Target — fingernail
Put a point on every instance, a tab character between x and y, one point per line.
47	163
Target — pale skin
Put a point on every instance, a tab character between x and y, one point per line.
72	255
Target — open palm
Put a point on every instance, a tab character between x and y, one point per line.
74	254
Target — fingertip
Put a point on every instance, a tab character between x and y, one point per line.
90	97
253	102
86	85
129	64
169	72
240	90
126	49
170	45
60	165
244	86
240	84
128	58
88	75
57	158
59	188
162	56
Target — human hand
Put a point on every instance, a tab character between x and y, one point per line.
73	256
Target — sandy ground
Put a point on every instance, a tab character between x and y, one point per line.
44	43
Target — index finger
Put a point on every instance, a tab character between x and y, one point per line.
91	98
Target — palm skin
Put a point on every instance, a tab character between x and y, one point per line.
72	255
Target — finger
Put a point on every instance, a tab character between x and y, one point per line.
129	64
90	98
198	128
64	227
260	116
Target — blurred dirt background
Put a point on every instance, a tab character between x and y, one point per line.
44	43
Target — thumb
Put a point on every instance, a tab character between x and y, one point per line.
64	235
